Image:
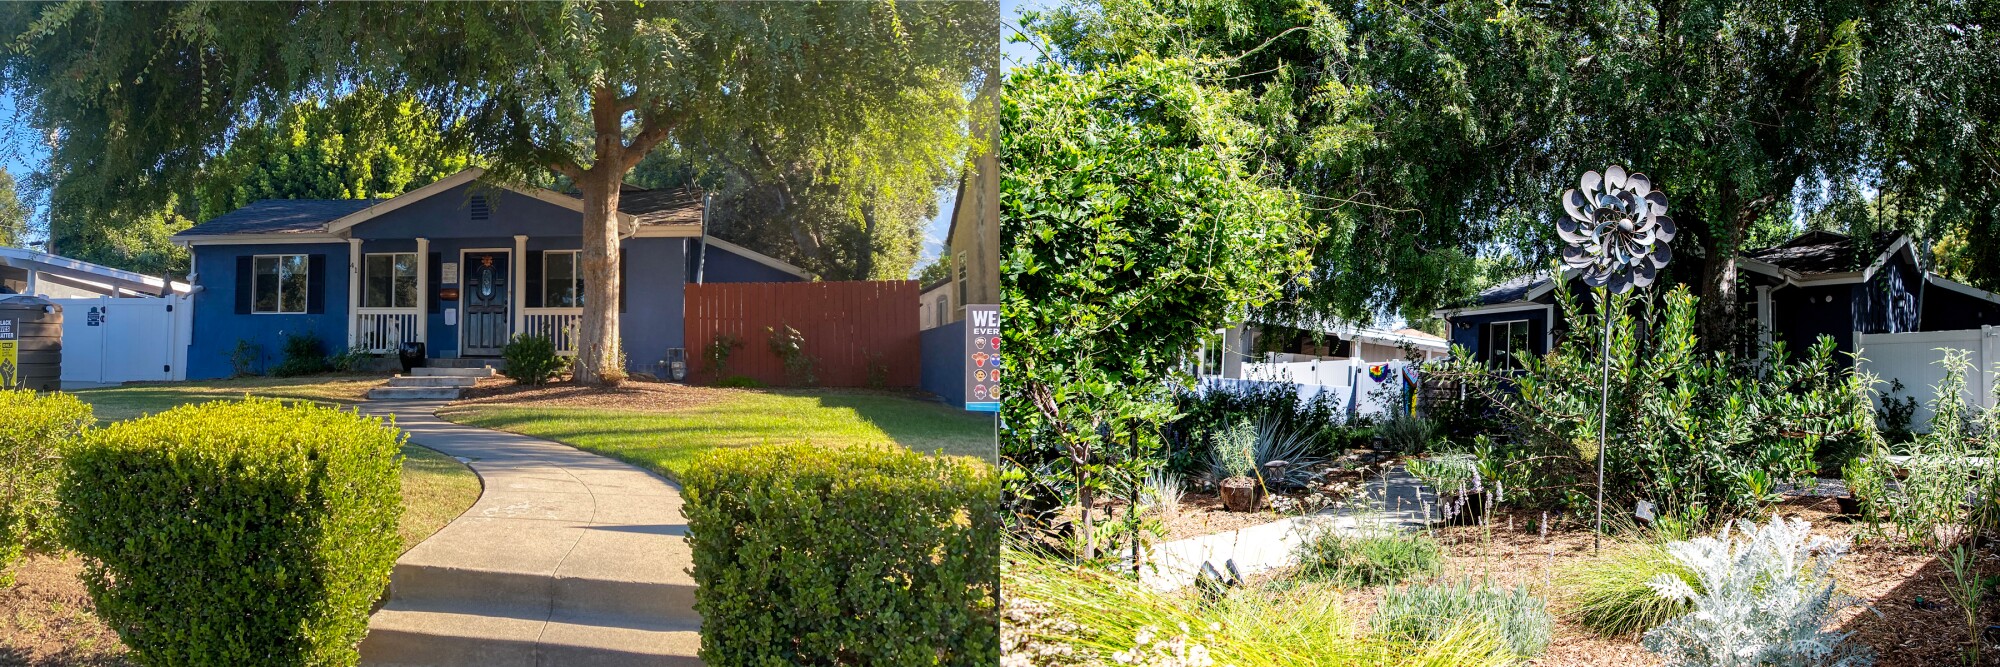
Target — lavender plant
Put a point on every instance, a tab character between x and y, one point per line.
1761	598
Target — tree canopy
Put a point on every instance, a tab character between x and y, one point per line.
140	95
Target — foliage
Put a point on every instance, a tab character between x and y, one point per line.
1243	450
250	532
245	357
1232	452
718	351
740	382
1447	473
350	360
1409	434
305	354
1160	493
14	216
1320	419
1697	434
1968	589
1371	558
1425	611
794	561
1061	615
531	359
1760	597
36	431
1438	134
801	369
1953	462
1611	594
1896	414
865	94
1135	222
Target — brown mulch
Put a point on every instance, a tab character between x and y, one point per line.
46	619
632	395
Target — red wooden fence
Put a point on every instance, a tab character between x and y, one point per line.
848	327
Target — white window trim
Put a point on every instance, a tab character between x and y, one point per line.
307	259
1512	358
392	280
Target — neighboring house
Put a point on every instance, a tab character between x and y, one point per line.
1819	283
25	271
972	246
1254	350
458	265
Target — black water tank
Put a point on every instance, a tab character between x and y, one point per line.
32	326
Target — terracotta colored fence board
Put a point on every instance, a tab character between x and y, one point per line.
848	327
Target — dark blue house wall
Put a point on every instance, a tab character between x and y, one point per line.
942	370
652	321
1469	330
723	266
218	327
448	214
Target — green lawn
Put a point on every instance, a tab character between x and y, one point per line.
436	488
667	441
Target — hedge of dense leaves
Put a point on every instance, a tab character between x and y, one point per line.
810	555
236	533
35	431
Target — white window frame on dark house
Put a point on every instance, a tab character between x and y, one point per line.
1500	351
550	281
402	292
279	275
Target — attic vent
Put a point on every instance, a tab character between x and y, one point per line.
479	208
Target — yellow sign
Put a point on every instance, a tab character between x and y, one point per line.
10	363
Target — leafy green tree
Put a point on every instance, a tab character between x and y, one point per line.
140	94
938	269
1136	221
14	216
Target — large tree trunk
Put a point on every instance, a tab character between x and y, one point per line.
1718	295
598	357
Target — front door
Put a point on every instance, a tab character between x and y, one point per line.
484	329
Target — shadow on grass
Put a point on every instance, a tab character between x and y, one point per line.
924	426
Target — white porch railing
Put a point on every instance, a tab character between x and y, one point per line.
560	325
383	329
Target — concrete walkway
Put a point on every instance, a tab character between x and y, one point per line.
568	558
1394	501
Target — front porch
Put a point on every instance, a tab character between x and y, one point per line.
391	298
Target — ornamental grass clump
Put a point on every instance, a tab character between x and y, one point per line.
1612	594
1371	558
35	432
237	533
1761	595
1424	612
1065	615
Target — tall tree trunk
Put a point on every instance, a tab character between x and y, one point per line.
1718	296
598	356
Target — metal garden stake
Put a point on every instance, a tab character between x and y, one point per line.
1616	235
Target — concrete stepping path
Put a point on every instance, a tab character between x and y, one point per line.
1393	501
568	558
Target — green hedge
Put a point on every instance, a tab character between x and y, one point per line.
810	555
237	533
35	432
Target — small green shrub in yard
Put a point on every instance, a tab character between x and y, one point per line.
35	431
1612	594
1422	611
532	359
859	555
305	354
1370	559
1409	434
236	533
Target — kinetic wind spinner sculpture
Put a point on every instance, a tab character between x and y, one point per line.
1617	233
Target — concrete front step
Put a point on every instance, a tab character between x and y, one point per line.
413	393
465	362
668	599
433	381
401	634
442	371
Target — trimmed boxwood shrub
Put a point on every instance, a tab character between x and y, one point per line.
532	359
237	533
808	555
35	432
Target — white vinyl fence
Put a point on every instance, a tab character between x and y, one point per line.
1913	358
111	340
1358	389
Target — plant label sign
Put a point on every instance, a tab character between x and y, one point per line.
982	358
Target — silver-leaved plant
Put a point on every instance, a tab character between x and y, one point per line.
1761	598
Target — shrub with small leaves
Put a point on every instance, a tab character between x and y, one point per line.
35	432
236	533
305	354
1760	596
532	359
1371	558
1429	611
860	555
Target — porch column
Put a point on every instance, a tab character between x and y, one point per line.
353	290
423	294
1763	320
520	281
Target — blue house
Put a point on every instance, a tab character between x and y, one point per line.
459	265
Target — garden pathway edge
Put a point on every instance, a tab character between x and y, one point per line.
1394	501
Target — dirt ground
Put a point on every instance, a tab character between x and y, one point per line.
46	619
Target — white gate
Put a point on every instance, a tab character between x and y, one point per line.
111	340
1913	358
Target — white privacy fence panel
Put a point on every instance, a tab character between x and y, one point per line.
111	340
1356	389
1914	358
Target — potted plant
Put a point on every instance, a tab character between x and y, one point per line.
1234	465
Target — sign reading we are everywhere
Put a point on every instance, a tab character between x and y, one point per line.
982	357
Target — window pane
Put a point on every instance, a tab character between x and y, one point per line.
292	296
264	284
375	280
559	280
406	280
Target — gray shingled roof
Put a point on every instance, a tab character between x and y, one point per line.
280	216
661	207
1823	252
1512	289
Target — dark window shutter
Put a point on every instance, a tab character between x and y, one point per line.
436	278
243	295
621	280
315	284
534	280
